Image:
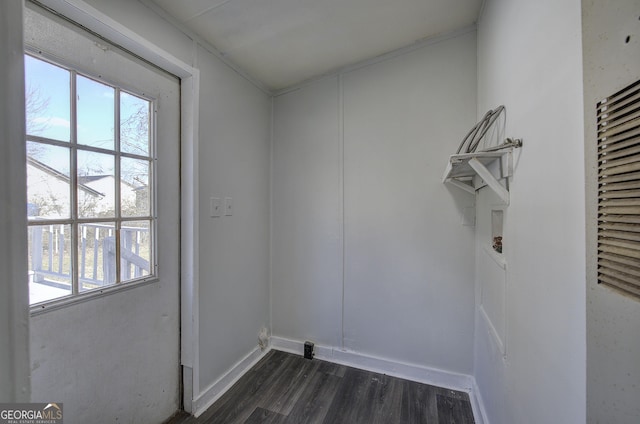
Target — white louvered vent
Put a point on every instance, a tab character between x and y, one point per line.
618	134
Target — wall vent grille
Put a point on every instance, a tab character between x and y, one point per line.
618	135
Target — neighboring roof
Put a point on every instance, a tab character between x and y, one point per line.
87	179
84	179
61	176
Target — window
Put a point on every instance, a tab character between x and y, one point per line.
618	135
90	186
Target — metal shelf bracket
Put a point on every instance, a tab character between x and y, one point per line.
488	178
471	171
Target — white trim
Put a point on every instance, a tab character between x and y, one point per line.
419	373
449	380
73	299
189	229
428	41
500	339
456	183
489	179
498	258
15	366
492	330
477	405
90	17
224	383
189	239
413	372
288	345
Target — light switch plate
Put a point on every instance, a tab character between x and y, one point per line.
215	207
228	206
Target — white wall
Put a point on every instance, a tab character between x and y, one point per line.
14	300
233	161
408	258
234	153
307	214
613	320
407	289
529	59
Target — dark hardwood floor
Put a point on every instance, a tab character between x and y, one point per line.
287	389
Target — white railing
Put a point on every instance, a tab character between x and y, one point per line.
51	254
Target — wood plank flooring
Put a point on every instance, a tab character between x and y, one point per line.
287	389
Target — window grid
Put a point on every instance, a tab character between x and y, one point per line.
75	220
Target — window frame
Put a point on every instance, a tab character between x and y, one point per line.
78	295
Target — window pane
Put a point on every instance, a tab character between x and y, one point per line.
134	124
49	262
47	99
134	187
48	183
96	185
96	255
95	102
135	250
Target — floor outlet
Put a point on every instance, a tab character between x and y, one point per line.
308	350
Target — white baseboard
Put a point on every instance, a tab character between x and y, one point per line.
412	372
479	413
421	374
212	393
418	373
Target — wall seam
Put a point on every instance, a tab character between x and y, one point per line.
342	195
271	156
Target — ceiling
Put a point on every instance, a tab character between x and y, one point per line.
284	42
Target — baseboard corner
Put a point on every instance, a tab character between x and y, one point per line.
477	405
213	392
414	372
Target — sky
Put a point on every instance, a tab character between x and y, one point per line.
49	116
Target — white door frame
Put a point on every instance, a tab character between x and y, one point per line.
96	21
15	366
